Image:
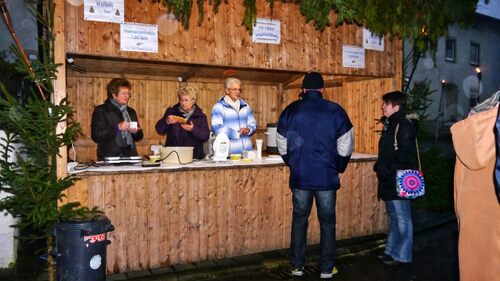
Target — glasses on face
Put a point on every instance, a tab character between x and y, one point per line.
127	94
187	100
235	90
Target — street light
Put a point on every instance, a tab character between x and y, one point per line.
478	71
439	118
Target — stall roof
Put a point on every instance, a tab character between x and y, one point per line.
77	63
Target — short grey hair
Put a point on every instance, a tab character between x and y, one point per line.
188	91
231	81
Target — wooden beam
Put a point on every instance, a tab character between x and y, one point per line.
60	82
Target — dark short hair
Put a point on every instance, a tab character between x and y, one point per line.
115	84
395	98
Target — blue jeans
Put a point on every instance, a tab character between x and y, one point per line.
400	235
325	204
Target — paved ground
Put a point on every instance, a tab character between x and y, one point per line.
435	258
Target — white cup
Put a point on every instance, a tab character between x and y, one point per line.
258	143
133	125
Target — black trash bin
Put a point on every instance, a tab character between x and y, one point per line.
80	249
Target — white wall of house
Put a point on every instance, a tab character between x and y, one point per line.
460	75
7	240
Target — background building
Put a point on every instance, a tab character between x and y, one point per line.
453	69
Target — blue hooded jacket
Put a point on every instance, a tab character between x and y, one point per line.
315	139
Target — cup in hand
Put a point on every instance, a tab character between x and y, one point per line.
133	125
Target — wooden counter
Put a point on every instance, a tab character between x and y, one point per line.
173	216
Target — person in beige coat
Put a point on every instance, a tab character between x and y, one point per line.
476	204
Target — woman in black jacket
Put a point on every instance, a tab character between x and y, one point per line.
392	157
114	124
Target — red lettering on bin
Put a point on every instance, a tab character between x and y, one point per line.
95	238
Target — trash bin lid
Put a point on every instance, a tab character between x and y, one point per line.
94	225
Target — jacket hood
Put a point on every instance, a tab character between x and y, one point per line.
474	139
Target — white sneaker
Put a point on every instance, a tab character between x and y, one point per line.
329	274
298	271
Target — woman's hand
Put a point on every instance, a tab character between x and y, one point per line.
188	126
124	126
245	131
171	119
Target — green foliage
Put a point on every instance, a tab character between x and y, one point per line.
181	10
33	187
422	22
32	184
418	98
438	175
250	15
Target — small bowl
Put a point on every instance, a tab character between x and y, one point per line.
154	158
235	156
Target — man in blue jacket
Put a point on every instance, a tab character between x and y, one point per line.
315	139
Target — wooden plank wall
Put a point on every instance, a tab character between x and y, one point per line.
166	218
150	98
222	40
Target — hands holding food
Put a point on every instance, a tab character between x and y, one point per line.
245	131
172	119
188	127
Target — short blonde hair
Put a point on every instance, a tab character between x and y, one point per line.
231	81
188	91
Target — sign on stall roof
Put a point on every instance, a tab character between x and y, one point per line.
138	37
104	10
267	31
372	41
353	56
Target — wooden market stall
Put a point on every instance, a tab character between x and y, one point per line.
165	217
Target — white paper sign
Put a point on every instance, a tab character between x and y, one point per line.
267	31
371	41
104	10
353	56
138	37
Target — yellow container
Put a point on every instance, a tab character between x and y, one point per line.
235	156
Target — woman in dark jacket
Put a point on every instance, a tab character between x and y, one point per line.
390	159
111	123
184	123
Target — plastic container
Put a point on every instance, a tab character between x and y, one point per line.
80	249
271	145
177	154
235	157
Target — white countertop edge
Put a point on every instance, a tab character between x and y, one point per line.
196	164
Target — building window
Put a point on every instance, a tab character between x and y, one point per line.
474	53
451	49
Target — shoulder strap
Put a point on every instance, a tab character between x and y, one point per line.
416	145
395	137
